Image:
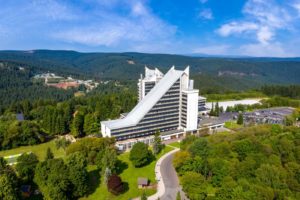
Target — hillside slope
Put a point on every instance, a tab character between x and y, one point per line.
220	73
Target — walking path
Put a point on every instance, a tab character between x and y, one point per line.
168	184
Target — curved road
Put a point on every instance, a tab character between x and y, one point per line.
170	179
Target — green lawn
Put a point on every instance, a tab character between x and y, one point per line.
98	190
232	125
129	176
175	144
39	150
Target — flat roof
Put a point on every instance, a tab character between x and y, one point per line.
201	98
142	181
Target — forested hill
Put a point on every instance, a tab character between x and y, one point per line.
209	72
16	85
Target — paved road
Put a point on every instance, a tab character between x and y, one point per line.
170	179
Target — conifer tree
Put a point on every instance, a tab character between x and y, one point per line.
212	110
49	154
240	119
157	146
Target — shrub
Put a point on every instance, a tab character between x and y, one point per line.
140	155
115	185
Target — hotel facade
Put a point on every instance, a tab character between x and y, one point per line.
166	103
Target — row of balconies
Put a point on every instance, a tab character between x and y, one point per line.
136	129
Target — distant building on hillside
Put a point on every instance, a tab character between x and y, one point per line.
167	103
65	85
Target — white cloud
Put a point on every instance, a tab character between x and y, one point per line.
236	28
296	6
213	50
262	19
268	13
136	27
264	35
138	9
206	14
51	9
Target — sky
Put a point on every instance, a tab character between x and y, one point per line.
268	28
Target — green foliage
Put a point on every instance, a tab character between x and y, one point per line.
178	197
62	143
234	96
91	126
194	184
16	86
20	133
217	74
244	147
77	124
180	160
260	162
25	167
144	196
49	154
78	174
140	154
200	148
107	159
59	180
86	145
8	182
55	115
52	178
157	145
8	190
240	119
292	91
184	144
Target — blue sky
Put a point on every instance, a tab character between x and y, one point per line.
213	27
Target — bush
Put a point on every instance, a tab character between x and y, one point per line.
140	155
26	166
115	185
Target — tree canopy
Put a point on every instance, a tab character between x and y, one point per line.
260	162
140	154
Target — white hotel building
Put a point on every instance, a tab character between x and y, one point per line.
167	103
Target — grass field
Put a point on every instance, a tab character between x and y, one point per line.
175	144
129	176
232	125
98	190
39	150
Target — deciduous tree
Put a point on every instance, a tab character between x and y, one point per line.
140	155
115	184
25	167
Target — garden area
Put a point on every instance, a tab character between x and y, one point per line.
129	175
90	168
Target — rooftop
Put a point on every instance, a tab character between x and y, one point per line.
142	181
272	112
201	98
